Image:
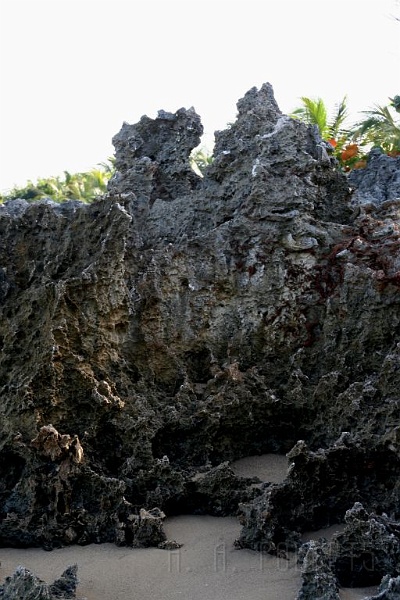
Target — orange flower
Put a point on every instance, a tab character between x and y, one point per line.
350	151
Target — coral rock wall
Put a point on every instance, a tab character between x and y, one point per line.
182	322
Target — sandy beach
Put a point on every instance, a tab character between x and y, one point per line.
206	567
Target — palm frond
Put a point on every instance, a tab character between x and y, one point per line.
340	116
379	128
313	112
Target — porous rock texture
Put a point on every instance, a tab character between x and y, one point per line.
24	585
366	552
181	322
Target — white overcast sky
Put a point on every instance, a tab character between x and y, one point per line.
72	71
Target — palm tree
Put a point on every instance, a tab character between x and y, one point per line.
380	128
314	112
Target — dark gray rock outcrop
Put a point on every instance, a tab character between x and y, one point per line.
317	490
379	181
182	322
152	157
365	553
24	585
318	579
367	550
388	590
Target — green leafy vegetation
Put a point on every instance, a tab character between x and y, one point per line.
85	187
380	128
200	159
314	112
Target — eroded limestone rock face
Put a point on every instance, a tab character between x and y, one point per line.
152	157
389	589
366	552
379	181
182	322
24	585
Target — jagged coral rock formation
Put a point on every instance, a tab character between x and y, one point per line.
181	322
24	585
378	182
318	579
367	552
389	589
